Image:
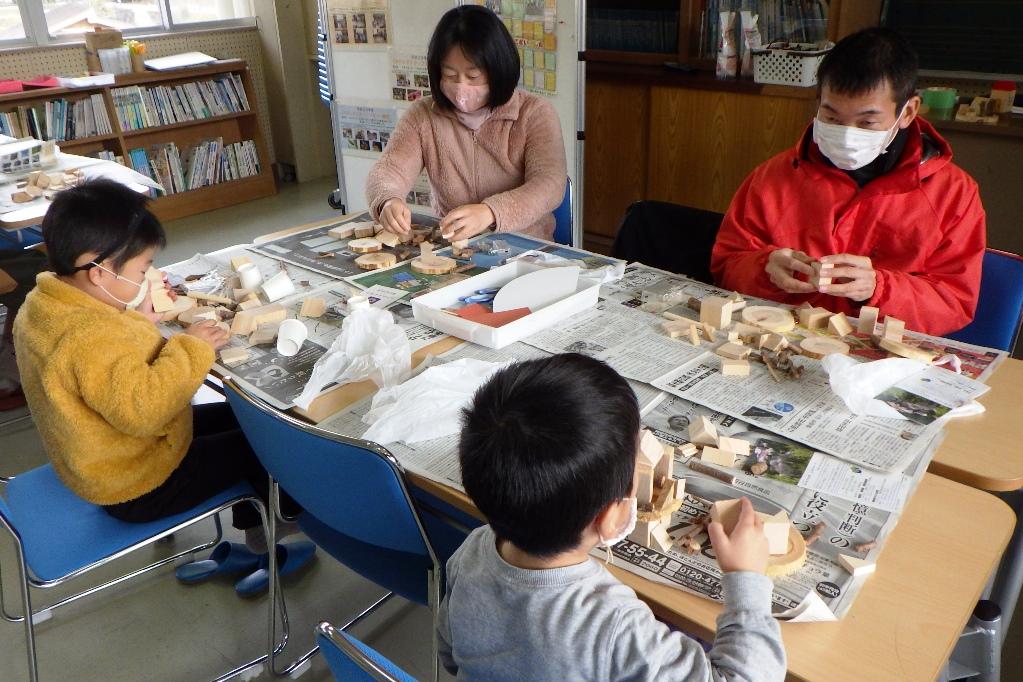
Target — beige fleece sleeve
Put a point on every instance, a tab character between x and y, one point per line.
546	172
393	175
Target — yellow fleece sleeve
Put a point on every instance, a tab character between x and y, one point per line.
137	394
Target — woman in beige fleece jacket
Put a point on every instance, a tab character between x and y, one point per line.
494	154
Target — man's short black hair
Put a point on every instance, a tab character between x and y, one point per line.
545	446
486	43
868	59
102	217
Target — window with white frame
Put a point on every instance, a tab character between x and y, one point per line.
11	26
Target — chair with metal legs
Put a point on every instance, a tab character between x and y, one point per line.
356	506
352	661
59	537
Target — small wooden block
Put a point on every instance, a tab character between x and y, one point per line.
212	298
376	261
239	261
733	351
694	335
341	231
234	356
367	245
716	311
867	319
460	244
814	318
162	302
702	432
425	248
747	332
663	468
893	328
821	273
776	528
388	238
904	350
838	325
33	191
641	534
181	304
240	294
775	343
193	315
734	336
314	306
676	328
433	265
856	566
659	538
726	512
644	483
680	488
714	455
650	448
737	446
688	449
734	368
21	197
249	304
708	331
264	333
364	230
820	346
247	320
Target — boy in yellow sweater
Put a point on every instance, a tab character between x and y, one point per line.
110	396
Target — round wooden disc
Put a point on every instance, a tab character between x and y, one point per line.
365	245
777	320
376	261
819	346
791	561
434	265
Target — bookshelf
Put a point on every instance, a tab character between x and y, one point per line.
196	121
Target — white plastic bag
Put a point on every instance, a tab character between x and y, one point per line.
856	383
370	346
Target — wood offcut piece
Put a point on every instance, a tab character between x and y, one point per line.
314	306
246	321
820	346
733	351
433	265
839	325
702	431
856	566
716	311
376	261
777	320
713	455
904	350
734	368
867	320
366	245
234	356
814	318
893	328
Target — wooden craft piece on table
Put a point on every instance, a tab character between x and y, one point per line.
376	261
856	566
425	248
234	356
367	245
659	539
181	304
734	368
708	331
641	534
819	346
162	302
688	449
694	334
433	265
893	328
726	512
388	238
747	332
777	529
736	446
821	273
240	295
21	197
839	325
677	328
650	448
777	320
460	244
314	306
716	311
341	231
249	304
364	230
904	350
733	351
247	320
33	191
714	455
867	319
734	336
212	298
193	315
264	334
702	432
814	318
663	469
239	261
792	560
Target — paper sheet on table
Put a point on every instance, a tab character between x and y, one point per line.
833	476
428	405
857	383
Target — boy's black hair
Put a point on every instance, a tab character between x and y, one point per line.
866	60
486	43
102	217
545	446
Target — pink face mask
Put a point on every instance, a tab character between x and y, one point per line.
467	98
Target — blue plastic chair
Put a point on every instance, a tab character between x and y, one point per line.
996	323
563	217
352	661
58	537
355	500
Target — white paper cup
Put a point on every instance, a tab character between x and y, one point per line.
278	286
249	276
290	336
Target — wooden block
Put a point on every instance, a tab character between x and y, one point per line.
680	488
650	448
367	245
425	248
702	432
212	298
234	356
904	350
713	455
821	273
716	311
677	328
433	265
388	238
460	244
193	315
708	331
737	446
641	534
662	471
867	319
734	336
893	328
314	306
42	180
775	343
839	325
747	332
247	320
644	483
694	335
659	538
733	351
264	333
688	449
814	318
249	304
734	368
726	512
162	302
341	231
239	261
776	528
240	294
363	230
856	566
33	177
21	197
33	191
181	304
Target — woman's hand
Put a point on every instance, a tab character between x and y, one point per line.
466	221
783	264
396	217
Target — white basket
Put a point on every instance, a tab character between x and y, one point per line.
789	63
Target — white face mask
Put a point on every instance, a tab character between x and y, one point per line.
627	529
139	297
849	147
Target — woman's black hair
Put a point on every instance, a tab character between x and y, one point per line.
102	217
485	41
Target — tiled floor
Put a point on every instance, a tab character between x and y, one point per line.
156	629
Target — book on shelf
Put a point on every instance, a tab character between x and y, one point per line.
158	105
208	163
58	119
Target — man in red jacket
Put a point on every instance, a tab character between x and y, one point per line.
870	188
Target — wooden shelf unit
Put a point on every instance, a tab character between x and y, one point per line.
233	127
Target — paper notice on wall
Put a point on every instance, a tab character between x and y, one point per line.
365	130
358	23
533	25
410	79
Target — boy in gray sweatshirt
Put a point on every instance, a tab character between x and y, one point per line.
548	452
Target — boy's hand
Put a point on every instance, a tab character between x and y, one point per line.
208	331
746	548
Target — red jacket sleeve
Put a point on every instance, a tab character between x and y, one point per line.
942	297
743	245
